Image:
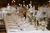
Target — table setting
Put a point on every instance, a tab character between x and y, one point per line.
19	24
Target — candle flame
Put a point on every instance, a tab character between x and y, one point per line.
14	1
48	1
19	4
8	3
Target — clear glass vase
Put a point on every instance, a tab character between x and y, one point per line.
43	28
34	23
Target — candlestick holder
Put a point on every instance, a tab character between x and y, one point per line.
13	2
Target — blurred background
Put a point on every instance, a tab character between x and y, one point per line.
4	3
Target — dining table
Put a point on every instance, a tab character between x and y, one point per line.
14	24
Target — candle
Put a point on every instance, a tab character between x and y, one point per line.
12	1
8	4
24	5
27	6
8	7
19	4
23	1
48	1
31	2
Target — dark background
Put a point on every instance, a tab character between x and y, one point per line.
3	3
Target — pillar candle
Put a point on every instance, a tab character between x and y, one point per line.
27	6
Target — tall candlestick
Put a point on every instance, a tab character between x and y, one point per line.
14	2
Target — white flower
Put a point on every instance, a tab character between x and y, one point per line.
43	23
33	15
46	25
39	22
31	11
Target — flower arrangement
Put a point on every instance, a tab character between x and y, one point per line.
32	16
43	23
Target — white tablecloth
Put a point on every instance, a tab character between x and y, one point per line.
12	27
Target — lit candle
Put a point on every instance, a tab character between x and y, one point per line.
12	1
38	8
30	2
24	5
48	1
8	4
27	6
19	4
23	1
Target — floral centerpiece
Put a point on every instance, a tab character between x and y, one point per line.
43	24
31	15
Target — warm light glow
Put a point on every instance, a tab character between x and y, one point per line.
48	1
14	1
30	1
38	7
23	1
8	3
19	4
27	6
24	5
